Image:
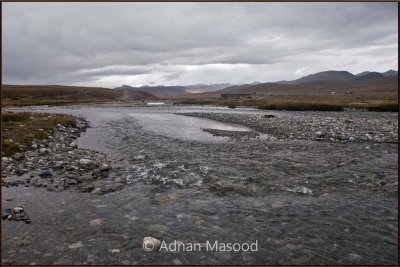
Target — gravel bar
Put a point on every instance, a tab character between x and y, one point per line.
319	128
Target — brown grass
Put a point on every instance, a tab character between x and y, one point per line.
19	130
304	103
23	95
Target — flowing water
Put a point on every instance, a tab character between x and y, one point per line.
303	202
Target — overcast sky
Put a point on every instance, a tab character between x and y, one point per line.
110	44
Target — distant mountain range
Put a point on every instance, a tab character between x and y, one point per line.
327	82
340	76
325	79
176	91
159	91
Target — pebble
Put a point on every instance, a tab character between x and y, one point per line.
105	167
44	150
76	245
85	178
73	145
319	133
18	156
151	243
18	209
97	191
354	256
45	173
96	222
176	262
85	162
302	260
277	204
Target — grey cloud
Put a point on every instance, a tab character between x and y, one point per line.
107	44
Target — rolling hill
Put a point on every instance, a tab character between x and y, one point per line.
68	94
331	75
371	85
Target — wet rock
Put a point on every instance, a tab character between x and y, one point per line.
151	243
76	245
59	165
105	167
85	162
45	173
16	214
73	145
88	164
96	222
44	150
52	188
85	178
302	260
354	256
176	262
277	205
18	156
87	189
71	181
19	171
97	191
18	209
108	188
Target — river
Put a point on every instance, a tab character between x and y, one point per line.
303	202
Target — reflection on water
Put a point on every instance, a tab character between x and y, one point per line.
305	202
182	127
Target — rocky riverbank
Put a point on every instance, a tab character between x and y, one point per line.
329	128
58	164
232	134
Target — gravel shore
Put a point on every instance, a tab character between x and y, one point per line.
319	128
232	134
58	164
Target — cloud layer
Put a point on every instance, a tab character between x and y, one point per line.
109	44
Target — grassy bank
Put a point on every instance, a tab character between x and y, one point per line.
20	130
302	107
303	104
51	102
